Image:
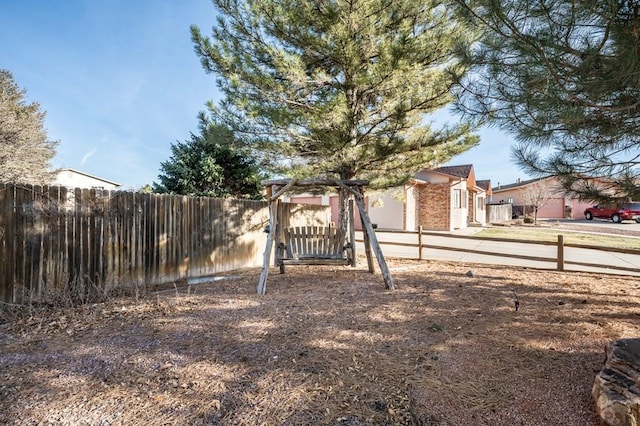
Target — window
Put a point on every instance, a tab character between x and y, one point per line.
480	203
457	198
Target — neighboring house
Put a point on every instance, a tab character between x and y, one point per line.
444	199
71	178
557	205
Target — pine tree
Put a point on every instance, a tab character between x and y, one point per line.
211	164
338	88
25	151
564	77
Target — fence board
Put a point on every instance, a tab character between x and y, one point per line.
36	238
93	241
114	237
58	230
12	247
145	228
21	285
5	248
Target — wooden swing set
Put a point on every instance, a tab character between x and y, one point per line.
319	245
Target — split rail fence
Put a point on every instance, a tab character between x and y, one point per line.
541	254
56	240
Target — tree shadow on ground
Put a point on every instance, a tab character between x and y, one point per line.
326	346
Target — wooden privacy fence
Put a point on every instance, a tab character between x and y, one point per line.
54	239
498	213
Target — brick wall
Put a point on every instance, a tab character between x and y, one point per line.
434	206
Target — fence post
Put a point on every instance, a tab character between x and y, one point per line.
420	242
560	253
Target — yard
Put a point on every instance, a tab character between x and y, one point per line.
609	237
325	345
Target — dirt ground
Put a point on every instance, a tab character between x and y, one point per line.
324	346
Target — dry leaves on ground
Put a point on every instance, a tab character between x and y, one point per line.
325	345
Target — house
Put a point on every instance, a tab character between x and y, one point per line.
444	199
72	178
554	203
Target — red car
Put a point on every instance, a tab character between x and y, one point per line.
629	211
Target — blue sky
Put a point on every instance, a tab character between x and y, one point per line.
120	83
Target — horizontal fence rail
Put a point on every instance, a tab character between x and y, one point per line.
77	241
414	244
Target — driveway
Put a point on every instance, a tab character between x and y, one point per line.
627	228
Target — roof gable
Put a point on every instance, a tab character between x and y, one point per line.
70	173
463	171
453	174
484	184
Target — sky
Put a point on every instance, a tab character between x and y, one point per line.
120	82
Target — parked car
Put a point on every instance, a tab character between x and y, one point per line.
630	211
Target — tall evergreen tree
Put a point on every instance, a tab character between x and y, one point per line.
213	164
25	150
339	88
564	77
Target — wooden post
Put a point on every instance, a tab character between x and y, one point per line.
420	242
375	246
560	253
262	283
343	214
352	234
279	236
279	191
367	242
367	251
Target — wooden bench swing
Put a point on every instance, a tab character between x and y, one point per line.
314	245
319	245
